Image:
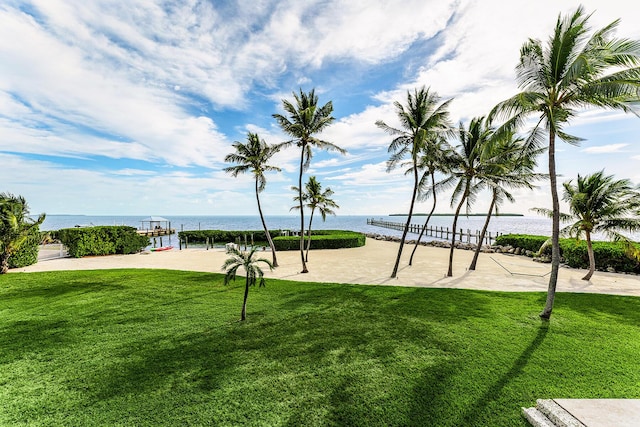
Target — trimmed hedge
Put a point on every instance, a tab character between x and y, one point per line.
322	239
102	240
28	252
607	254
224	236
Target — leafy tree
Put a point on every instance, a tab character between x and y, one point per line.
599	204
15	226
436	157
575	69
305	119
511	166
253	157
253	271
315	198
472	169
421	120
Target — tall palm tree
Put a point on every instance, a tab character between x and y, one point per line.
513	167
472	169
321	200
303	121
599	204
253	157
436	157
253	271
421	120
15	226
575	69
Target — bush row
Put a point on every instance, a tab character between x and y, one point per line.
224	236
28	252
607	254
322	239
102	240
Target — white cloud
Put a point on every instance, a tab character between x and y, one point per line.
611	148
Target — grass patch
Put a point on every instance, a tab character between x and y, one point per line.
154	347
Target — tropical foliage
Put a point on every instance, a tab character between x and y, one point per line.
15	226
253	272
304	119
253	157
575	69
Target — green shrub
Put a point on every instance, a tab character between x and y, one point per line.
28	252
607	255
102	240
322	239
524	241
224	236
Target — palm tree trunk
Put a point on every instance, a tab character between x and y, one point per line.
306	258
4	263
453	239
474	261
406	227
592	258
243	315
424	227
266	230
304	265
555	231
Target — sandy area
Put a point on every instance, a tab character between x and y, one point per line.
372	264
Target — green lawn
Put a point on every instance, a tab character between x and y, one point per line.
152	347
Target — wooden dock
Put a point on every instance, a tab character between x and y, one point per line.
153	232
437	232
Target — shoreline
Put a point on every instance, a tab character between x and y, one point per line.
372	265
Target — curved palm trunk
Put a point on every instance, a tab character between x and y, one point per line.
306	258
555	231
243	315
406	227
266	230
424	227
453	239
474	261
304	264
592	258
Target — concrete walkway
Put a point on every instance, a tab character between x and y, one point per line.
584	412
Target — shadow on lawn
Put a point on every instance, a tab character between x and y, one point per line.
623	308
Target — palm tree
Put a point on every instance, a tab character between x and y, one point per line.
305	119
599	204
436	157
472	169
513	167
253	157
318	199
15	226
573	70
422	120
253	271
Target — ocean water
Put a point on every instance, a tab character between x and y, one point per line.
502	225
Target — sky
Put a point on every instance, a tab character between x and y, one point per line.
113	107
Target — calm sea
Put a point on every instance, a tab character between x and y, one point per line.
502	225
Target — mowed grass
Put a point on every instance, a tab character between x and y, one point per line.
154	347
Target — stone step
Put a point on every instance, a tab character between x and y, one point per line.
557	414
536	418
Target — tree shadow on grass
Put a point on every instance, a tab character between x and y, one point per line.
625	309
432	391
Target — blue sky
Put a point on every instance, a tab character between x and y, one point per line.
129	107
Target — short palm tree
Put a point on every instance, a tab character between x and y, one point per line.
253	271
317	199
421	120
253	157
15	226
575	69
599	204
304	120
472	169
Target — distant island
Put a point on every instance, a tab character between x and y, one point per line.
450	214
